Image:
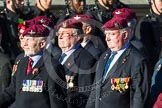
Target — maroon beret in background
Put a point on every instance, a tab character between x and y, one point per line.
47	21
71	23
29	23
36	31
84	18
81	17
125	13
44	20
115	23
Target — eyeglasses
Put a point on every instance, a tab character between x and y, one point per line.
64	34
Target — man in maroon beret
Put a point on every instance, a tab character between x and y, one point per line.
78	63
131	17
121	73
89	41
34	84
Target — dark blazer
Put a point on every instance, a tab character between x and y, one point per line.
92	50
54	50
53	94
5	71
156	84
131	64
81	65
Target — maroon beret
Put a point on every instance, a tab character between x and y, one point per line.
47	21
83	18
115	23
29	23
36	31
125	13
70	23
43	20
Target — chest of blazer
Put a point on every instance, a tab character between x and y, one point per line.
92	50
130	64
81	65
45	99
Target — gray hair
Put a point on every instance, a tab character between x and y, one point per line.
77	31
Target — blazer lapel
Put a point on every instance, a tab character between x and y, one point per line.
102	64
37	68
120	62
70	64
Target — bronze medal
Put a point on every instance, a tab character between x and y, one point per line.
127	81
112	82
71	84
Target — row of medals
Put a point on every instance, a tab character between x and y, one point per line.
32	86
120	84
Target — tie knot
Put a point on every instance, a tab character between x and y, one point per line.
63	55
114	52
30	60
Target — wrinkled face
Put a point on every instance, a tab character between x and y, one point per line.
21	38
66	38
77	5
46	4
157	6
114	39
33	45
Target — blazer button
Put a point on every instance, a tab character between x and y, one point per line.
100	99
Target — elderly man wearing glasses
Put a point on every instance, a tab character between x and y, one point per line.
78	63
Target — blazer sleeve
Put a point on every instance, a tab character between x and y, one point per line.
57	85
140	85
7	97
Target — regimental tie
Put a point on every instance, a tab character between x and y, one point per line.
108	65
29	68
62	57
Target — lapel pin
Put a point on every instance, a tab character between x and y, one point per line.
124	60
35	70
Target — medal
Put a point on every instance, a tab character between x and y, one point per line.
40	86
122	83
117	80
24	85
126	81
71	84
112	82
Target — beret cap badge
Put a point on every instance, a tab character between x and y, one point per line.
31	32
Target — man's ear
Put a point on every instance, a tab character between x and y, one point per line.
125	35
88	29
43	43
